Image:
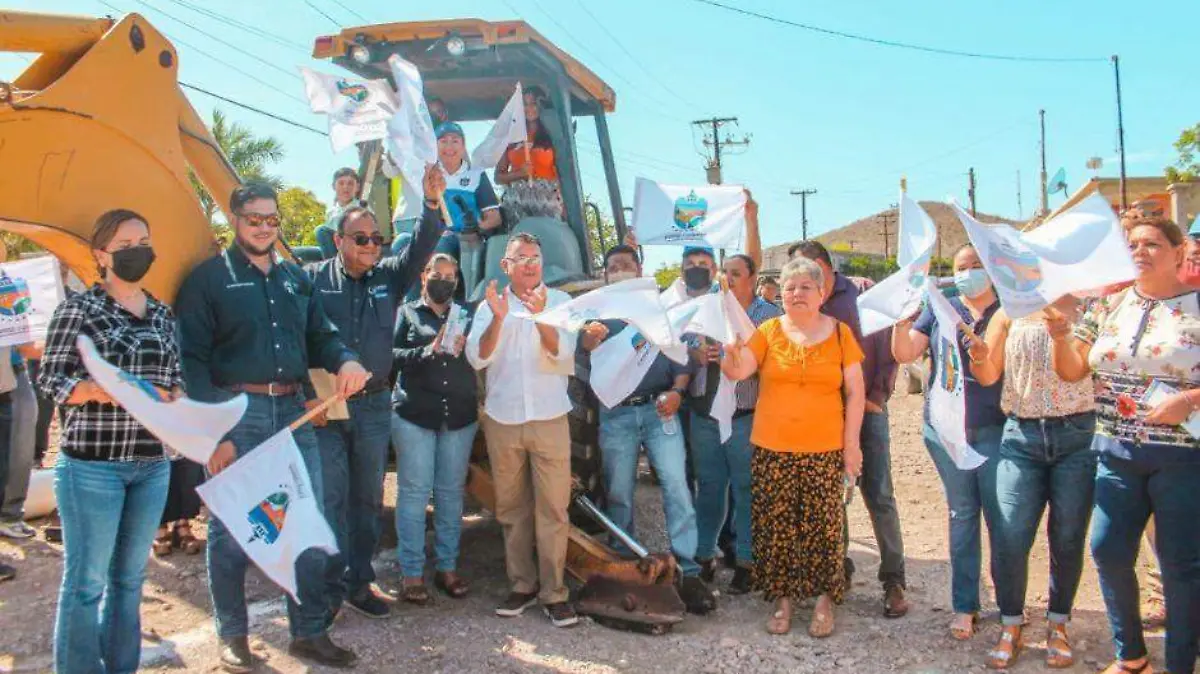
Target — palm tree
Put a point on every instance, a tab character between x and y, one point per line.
250	156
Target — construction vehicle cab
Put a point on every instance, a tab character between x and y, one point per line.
473	67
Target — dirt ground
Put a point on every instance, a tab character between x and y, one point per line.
463	636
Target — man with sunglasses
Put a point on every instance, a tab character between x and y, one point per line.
251	322
362	292
525	424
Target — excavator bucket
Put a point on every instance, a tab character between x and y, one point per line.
98	122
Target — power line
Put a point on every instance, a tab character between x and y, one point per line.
318	10
360	17
251	108
898	44
218	40
636	61
253	30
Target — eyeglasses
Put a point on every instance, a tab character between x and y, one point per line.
525	260
361	239
259	219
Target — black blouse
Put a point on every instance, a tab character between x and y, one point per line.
432	389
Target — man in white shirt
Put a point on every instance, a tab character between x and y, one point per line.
525	424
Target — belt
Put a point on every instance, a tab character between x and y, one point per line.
274	389
634	401
369	390
6	397
743	413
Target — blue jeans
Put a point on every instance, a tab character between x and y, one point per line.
110	511
623	430
1043	461
1127	493
265	416
353	459
722	468
969	493
880	498
22	450
429	461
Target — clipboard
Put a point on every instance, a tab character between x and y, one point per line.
324	382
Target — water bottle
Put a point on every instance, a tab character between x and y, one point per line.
670	424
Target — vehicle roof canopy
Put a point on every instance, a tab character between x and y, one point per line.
476	84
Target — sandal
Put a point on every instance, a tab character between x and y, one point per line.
185	540
1120	667
1005	653
962	628
454	585
780	622
822	623
415	592
1058	647
1156	615
162	545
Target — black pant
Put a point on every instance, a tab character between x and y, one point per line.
41	438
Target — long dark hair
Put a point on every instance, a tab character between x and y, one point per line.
541	137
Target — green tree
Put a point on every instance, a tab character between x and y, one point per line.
300	212
666	274
1187	165
250	155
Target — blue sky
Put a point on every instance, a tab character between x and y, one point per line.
843	117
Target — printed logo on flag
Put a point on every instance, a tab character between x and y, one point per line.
690	211
355	92
581	315
267	518
1017	270
917	280
146	387
948	373
15	300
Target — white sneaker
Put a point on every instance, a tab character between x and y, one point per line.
17	529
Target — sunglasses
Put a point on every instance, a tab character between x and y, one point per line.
361	239
258	219
526	260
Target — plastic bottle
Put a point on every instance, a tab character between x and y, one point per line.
670	425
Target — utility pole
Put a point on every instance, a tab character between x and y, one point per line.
971	189
1116	61
713	139
804	195
887	217
1045	195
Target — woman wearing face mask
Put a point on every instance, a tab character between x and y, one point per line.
436	412
1141	347
969	492
112	474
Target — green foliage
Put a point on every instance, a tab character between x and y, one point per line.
941	266
15	244
1187	166
869	267
840	247
249	155
300	213
666	274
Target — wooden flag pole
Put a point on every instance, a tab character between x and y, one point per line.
528	160
309	415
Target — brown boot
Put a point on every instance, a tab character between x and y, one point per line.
894	603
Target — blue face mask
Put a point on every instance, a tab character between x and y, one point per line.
972	282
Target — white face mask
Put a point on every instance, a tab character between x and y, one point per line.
617	277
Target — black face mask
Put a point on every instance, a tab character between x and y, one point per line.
697	278
131	264
440	290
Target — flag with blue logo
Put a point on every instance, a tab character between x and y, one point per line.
686	215
411	143
946	398
1079	250
188	427
634	301
30	290
899	295
266	501
358	110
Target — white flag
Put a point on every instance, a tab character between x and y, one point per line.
358	110
899	295
266	501
1083	248
619	364
947	398
634	301
509	128
187	426
411	141
30	290
681	215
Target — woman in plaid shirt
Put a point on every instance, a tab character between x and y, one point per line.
112	474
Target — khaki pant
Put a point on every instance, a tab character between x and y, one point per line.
531	468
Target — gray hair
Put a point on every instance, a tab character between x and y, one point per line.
803	267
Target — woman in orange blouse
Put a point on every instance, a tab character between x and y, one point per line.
806	441
527	170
